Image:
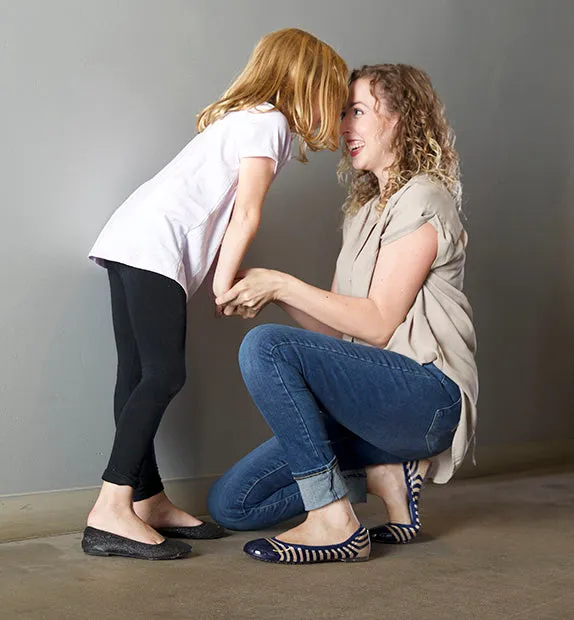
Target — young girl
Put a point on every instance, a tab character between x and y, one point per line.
158	247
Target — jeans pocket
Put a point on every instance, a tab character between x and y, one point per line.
441	431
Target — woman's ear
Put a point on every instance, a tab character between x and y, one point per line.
393	119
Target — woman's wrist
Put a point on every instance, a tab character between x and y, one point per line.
283	282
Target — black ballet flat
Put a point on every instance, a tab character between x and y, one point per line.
98	542
205	531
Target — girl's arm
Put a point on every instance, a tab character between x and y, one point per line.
255	176
400	271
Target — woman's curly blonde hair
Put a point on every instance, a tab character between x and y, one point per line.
423	141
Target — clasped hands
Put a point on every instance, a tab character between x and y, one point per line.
252	290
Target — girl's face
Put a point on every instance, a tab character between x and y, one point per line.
367	129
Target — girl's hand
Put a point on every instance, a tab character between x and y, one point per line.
242	311
255	289
219	308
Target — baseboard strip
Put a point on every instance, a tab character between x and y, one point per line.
34	515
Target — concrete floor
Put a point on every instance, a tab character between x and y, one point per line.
499	547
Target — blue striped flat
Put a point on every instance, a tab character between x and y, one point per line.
355	549
401	533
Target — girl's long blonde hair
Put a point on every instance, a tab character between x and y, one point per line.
423	141
296	72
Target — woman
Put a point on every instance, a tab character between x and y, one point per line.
379	389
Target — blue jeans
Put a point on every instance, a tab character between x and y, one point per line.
334	407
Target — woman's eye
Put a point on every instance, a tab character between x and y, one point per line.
357	112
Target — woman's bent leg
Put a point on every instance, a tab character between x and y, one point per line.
386	399
257	492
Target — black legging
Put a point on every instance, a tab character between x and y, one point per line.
149	317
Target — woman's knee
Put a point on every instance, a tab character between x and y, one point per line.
225	508
238	499
259	344
253	347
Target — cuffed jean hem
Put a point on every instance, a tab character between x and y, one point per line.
356	481
321	489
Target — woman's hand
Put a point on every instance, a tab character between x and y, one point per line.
252	292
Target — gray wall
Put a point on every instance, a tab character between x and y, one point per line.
97	96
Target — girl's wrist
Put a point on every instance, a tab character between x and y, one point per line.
218	288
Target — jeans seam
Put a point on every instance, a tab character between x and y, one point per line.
247	514
308	436
345	354
329	467
278	501
444	384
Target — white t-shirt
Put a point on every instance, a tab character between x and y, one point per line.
174	223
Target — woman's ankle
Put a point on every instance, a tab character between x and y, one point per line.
387	481
328	525
336	515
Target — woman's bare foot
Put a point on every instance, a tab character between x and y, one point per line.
113	513
158	511
330	525
388	482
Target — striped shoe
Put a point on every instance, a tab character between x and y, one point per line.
355	549
401	533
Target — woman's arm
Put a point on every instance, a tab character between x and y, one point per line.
400	271
307	321
255	176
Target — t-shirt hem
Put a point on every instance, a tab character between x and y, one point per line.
101	261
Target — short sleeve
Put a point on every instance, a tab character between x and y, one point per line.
419	204
264	134
346	224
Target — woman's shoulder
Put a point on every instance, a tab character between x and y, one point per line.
419	201
424	192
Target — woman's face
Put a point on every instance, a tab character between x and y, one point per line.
367	129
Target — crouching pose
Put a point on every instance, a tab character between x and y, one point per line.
379	388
